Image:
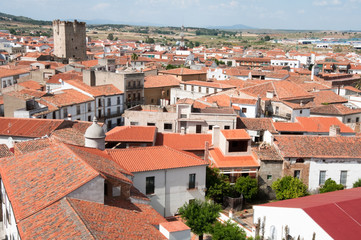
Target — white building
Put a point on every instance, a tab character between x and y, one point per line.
332	215
292	63
167	176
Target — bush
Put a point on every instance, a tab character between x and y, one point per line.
247	186
227	231
330	186
289	187
357	183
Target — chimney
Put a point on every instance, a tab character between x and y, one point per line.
206	151
216	131
313	72
335	131
69	117
269	94
10	144
175	230
183	131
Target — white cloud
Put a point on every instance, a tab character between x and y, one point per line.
327	2
100	6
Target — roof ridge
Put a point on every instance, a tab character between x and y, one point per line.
80	217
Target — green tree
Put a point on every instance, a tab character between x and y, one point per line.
110	36
134	57
227	231
330	186
357	183
200	216
217	185
289	187
267	38
247	186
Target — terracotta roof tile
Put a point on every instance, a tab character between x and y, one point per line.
122	220
35	180
160	81
221	161
256	124
71	75
306	146
28	127
67	97
322	124
5	151
31	85
185	142
235	134
57	221
335	110
153	158
131	134
182	71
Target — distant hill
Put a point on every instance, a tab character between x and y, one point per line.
233	27
9	17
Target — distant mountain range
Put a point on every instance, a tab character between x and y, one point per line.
9	17
233	27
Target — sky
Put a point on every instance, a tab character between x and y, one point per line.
263	14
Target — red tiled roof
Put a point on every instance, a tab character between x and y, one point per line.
12	72
5	151
334	110
256	124
28	127
182	71
153	158
160	81
71	75
306	146
221	161
67	97
31	85
35	180
175	226
235	134
101	162
327	97
209	84
322	124
123	220
338	212
131	134
184	141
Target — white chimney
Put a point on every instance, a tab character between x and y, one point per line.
269	94
216	131
183	131
335	131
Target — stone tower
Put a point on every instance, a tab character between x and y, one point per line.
69	40
95	136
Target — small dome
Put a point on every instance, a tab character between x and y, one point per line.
94	131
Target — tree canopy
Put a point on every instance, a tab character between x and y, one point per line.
357	183
217	185
227	231
247	186
110	36
200	216
289	187
330	186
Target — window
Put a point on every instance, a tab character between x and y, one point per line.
149	185
105	189
65	112
300	160
322	177
210	127
99	113
150	124
348	120
99	102
89	118
152	100
192	181
134	123
207	90
300	111
227	127
77	109
297	174
89	107
244	110
167	126
277	110
198	128
116	191
343	178
357	119
237	146
168	93
183	116
269	177
108	112
119	121
118	100
109	102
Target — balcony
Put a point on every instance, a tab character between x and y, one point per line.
135	87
